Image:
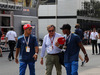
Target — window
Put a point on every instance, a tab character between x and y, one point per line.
5	21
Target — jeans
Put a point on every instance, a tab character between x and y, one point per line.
23	66
72	68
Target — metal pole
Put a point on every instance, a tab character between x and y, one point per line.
56	15
37	6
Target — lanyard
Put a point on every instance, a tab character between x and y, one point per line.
52	40
27	42
69	38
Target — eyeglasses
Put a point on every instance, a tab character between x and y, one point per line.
51	30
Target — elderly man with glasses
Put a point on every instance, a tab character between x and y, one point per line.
52	51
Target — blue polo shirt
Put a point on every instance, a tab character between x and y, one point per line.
72	50
26	56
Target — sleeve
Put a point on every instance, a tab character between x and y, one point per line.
43	48
59	35
36	43
97	34
18	45
15	34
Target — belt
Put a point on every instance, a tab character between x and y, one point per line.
53	54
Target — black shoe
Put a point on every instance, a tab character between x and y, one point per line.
12	58
83	63
9	59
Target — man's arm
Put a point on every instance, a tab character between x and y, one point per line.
36	52
16	39
43	50
16	36
16	55
6	41
84	51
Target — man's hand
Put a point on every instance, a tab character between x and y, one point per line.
35	56
86	59
57	44
41	62
16	60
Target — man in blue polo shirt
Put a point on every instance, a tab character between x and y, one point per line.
73	43
27	48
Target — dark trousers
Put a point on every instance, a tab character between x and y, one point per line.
11	46
99	47
94	44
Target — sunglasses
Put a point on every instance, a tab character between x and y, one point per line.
51	30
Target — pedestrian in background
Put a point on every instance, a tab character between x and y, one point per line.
52	57
27	48
11	37
98	42
88	36
73	43
85	40
79	32
93	40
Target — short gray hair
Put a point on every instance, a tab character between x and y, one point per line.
49	26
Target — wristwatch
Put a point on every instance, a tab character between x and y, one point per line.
36	53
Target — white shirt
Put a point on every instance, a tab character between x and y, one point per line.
93	35
85	36
11	35
46	46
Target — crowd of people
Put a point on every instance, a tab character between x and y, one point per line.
92	37
27	48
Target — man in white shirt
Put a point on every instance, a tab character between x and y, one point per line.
93	40
52	51
11	36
